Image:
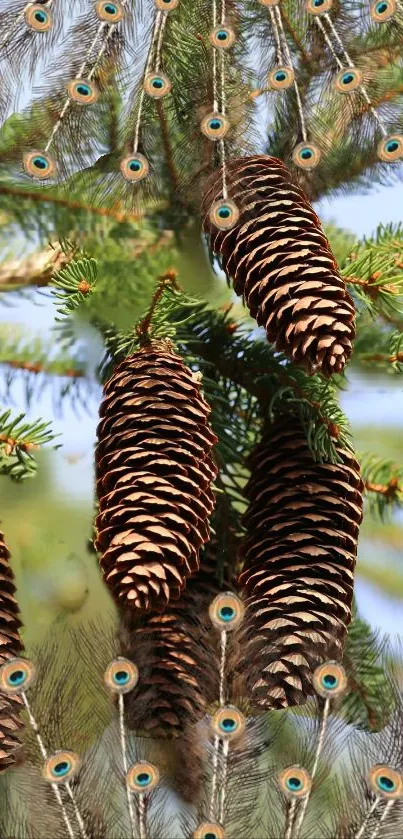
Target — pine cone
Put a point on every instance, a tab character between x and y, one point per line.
154	475
10	646
177	654
281	262
299	556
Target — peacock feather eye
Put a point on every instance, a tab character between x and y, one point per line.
348	80
318	7
61	767
215	126
209	830
142	777
39	164
385	781
82	91
222	37
157	85
391	148
295	782
281	78
330	680
16	675
306	155
224	214
226	611
134	167
228	723
121	676
383	10
166	5
109	10
38	18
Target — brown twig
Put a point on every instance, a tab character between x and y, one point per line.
11	444
167	147
169	278
37	367
389	490
298	43
370	285
390	359
42	197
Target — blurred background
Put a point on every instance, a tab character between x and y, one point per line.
48	521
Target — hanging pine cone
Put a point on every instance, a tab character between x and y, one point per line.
177	654
154	475
10	646
299	556
281	262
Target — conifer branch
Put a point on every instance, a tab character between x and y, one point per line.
383	481
74	283
169	279
18	442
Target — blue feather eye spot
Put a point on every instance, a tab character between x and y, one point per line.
227	610
214	126
228	723
38	18
295	782
16	675
222	37
82	91
385	781
39	164
61	767
134	167
109	11
318	7
391	148
281	78
157	85
348	80
143	777
166	5
330	680
224	214
383	10
306	155
121	676
209	830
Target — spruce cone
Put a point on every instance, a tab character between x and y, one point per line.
281	262
10	646
177	654
154	475
299	556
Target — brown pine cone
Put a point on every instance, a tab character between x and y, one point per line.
177	654
10	646
299	557
154	473
281	262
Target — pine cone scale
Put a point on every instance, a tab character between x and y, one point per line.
154	475
10	647
277	242
299	558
